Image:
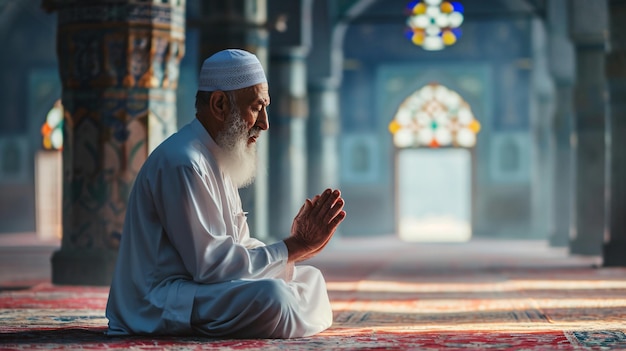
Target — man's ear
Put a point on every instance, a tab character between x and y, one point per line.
218	105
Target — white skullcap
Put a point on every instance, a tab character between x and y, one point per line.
230	69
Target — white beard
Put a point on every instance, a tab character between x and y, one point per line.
237	159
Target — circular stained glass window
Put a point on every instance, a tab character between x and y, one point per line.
434	24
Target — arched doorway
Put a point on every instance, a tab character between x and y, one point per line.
434	133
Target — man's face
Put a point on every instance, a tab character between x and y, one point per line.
252	103
248	117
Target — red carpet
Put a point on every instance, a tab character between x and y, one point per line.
386	296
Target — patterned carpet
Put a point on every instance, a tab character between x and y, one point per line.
386	296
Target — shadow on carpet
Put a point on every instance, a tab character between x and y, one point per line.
95	339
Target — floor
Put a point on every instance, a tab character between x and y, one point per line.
386	295
25	259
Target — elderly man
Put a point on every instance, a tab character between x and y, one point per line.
187	263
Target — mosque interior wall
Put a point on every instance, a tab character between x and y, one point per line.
493	56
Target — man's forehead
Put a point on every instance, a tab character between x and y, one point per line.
258	93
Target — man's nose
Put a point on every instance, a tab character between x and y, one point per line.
263	121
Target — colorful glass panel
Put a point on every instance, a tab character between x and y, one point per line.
434	24
52	129
434	116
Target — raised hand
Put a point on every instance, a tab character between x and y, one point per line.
315	224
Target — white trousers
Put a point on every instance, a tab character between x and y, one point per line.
265	308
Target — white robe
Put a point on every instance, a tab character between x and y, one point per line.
187	264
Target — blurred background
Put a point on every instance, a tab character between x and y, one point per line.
440	121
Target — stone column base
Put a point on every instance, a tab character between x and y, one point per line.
614	254
586	246
83	267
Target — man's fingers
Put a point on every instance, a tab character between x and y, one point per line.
327	201
319	204
327	206
308	204
334	223
315	198
334	210
338	205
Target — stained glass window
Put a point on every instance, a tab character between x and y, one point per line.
434	24
434	116
52	129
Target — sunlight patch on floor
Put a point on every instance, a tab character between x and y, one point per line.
509	285
474	305
434	229
513	327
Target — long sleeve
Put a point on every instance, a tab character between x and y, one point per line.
195	214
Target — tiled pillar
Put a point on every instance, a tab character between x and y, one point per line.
288	113
562	69
588	144
119	63
614	252
242	24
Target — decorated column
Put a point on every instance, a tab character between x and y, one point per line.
614	252
588	20
241	24
118	61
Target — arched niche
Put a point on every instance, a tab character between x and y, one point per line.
434	132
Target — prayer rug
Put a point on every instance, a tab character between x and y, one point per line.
66	317
425	297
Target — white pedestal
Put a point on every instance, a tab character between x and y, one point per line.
48	195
